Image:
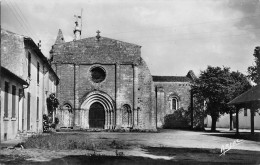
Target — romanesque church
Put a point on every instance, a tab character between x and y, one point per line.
106	84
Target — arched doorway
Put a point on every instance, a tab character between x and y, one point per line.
101	101
96	116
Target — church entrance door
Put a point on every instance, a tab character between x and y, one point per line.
96	116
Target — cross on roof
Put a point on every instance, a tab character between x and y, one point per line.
98	36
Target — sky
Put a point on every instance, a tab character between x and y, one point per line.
176	35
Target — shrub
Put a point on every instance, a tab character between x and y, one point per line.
179	119
56	141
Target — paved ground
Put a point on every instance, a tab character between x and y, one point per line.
164	147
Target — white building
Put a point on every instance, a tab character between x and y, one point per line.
244	120
27	79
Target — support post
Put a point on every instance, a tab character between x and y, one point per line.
156	107
230	121
252	112
237	121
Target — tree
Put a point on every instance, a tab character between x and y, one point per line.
52	104
198	111
238	85
252	70
217	86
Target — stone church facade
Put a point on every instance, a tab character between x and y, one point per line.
105	84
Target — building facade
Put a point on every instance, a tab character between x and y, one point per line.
26	81
105	84
172	94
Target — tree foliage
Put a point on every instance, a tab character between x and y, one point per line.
252	70
52	103
217	86
198	112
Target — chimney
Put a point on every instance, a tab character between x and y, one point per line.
39	44
77	31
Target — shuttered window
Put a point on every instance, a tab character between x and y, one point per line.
6	99
28	110
13	100
37	117
38	72
29	64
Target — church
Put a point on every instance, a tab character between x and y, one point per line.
106	84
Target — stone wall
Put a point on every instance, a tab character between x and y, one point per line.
164	91
12	47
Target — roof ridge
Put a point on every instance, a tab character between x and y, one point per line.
100	40
171	78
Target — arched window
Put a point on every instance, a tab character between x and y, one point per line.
67	115
126	116
67	107
174	103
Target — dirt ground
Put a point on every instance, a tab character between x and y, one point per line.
165	147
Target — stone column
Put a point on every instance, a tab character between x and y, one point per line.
135	96
117	85
112	119
105	126
108	119
160	106
76	94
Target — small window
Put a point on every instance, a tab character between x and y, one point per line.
174	103
29	64
38	73
13	100
245	112
67	107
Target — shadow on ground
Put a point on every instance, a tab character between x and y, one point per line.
208	156
232	135
176	155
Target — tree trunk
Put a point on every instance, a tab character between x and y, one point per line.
230	121
213	124
252	120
